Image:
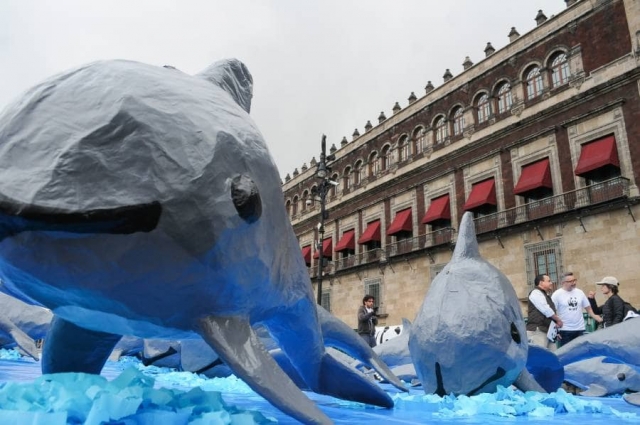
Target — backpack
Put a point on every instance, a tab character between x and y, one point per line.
629	311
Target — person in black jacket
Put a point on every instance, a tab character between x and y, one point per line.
612	310
367	320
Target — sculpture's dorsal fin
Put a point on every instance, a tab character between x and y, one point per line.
232	76
467	244
16	218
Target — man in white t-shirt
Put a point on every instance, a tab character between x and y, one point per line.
569	302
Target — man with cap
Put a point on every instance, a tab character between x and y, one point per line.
612	310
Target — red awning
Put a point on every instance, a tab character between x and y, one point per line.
306	254
597	154
438	210
482	193
534	176
372	233
401	222
327	247
347	241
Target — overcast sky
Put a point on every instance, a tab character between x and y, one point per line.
319	67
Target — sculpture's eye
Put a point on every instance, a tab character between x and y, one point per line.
515	335
246	198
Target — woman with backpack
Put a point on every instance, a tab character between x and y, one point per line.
613	310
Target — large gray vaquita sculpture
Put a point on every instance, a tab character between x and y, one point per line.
139	200
469	335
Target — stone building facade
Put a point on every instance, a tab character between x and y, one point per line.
540	140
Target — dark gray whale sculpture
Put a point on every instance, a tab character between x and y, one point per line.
601	376
620	341
469	335
139	200
595	360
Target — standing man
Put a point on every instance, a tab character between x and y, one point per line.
367	320
570	301
541	311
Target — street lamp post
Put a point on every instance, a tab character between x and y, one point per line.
321	192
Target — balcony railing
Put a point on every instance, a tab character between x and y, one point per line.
438	237
346	262
371	256
594	194
591	195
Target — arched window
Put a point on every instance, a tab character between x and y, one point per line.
346	178
505	99
358	173
458	121
385	158
441	130
294	206
418	140
559	70
483	107
374	164
533	81
288	207
332	190
305	197
403	149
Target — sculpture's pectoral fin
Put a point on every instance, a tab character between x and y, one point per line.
632	398
526	382
545	368
24	341
71	348
337	334
595	390
237	344
16	217
351	385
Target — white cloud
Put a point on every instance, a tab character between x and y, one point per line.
318	66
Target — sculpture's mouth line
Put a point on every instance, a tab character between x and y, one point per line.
500	372
440	387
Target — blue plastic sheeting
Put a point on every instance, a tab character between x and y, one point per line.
505	406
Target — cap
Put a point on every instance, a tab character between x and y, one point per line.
609	280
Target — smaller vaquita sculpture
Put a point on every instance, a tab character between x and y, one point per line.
469	334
